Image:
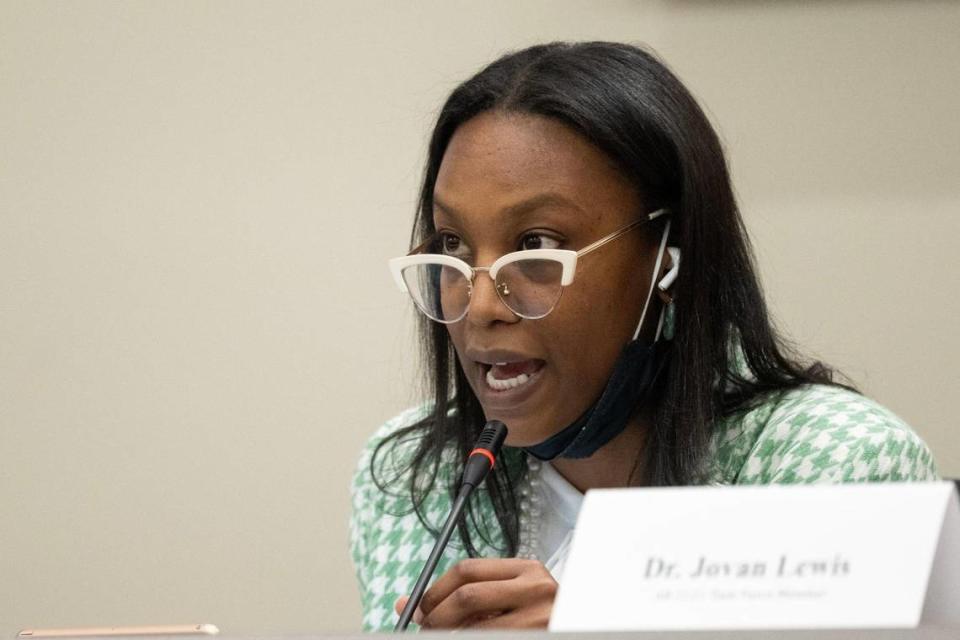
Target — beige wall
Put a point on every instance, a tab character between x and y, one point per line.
197	199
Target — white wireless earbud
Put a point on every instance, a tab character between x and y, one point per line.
671	275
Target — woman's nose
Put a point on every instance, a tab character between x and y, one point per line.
486	306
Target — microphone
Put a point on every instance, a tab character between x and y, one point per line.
479	463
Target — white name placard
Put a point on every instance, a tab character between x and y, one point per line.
826	556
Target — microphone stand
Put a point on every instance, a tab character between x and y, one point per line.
479	463
421	585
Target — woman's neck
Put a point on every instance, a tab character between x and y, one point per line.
613	465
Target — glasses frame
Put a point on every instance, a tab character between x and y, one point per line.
566	257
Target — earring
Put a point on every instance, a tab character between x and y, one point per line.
669	321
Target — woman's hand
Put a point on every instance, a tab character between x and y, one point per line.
488	593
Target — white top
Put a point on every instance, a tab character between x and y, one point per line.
561	503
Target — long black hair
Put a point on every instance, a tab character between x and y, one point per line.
627	103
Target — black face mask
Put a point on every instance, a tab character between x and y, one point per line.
631	385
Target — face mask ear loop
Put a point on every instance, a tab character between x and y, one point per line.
653	283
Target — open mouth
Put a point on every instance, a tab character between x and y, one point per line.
503	376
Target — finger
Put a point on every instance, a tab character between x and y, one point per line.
528	618
532	592
535	604
401	604
473	570
474	601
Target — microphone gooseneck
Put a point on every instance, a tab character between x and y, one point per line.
479	463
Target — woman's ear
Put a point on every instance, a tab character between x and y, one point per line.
669	269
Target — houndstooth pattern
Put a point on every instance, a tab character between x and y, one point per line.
815	434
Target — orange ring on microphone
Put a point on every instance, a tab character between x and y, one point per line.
486	453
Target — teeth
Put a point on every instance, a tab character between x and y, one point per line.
509	383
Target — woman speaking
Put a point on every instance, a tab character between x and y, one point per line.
584	276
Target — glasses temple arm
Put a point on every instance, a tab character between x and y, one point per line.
616	234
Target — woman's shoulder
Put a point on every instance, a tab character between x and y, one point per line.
387	538
390	429
389	451
821	433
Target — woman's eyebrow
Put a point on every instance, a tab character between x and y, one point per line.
539	201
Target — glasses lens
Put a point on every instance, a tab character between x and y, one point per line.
531	288
441	292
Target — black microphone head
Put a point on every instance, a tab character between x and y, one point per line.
484	453
492	437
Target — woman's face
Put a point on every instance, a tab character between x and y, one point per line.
514	181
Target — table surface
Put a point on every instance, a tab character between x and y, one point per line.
924	633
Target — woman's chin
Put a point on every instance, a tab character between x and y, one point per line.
521	433
530	412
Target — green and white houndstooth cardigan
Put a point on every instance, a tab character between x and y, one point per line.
814	434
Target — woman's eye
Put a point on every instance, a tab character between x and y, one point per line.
538	241
451	245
